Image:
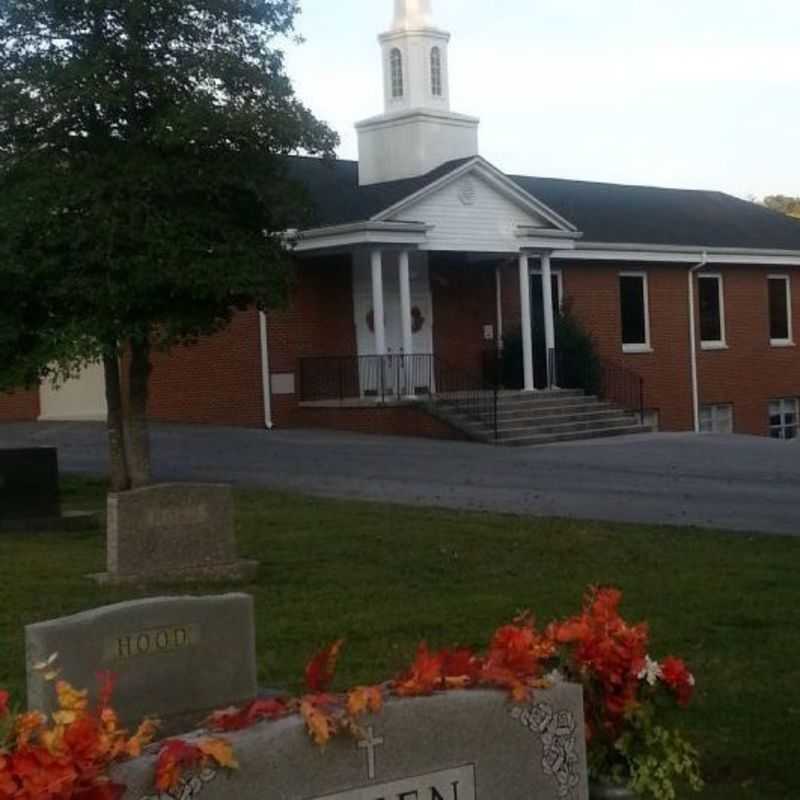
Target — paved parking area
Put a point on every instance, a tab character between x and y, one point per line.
733	482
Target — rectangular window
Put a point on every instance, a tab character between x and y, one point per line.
712	311
716	418
635	312
783	418
780	310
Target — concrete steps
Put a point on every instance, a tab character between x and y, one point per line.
526	420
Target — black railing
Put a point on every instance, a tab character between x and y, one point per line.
472	396
392	378
381	378
607	380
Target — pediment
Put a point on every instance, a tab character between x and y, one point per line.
476	207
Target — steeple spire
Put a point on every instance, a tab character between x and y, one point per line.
417	130
412	15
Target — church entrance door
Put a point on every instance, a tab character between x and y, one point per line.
397	374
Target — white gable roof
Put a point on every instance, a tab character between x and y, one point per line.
476	208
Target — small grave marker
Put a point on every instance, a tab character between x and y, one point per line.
173	532
29	493
176	658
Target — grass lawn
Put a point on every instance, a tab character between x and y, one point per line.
387	577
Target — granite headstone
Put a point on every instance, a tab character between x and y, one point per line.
455	746
176	658
29	493
29	485
173	532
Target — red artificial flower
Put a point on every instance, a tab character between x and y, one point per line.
321	669
4	698
677	676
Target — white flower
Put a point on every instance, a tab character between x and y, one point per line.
652	672
555	677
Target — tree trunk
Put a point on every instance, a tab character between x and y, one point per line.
120	479
138	431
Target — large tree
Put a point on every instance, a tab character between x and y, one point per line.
784	204
142	186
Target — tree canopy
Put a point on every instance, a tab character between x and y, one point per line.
784	204
142	181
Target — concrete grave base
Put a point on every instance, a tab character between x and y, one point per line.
242	571
454	746
68	521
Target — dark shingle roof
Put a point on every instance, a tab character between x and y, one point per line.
338	199
603	212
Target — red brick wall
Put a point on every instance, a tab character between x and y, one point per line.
464	301
751	372
19	406
748	374
593	291
318	322
215	382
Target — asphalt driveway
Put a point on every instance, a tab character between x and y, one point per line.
732	482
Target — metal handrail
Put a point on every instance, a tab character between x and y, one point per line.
607	380
394	377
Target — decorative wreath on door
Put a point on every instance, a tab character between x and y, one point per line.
417	320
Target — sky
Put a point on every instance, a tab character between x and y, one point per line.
700	94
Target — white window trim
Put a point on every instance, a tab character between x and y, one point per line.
714	344
788	280
647	346
781	402
716	409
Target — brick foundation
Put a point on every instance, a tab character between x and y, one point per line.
381	420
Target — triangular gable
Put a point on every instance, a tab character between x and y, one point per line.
481	168
475	207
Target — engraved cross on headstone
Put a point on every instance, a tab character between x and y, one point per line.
369	744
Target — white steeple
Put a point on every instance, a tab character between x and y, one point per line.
411	15
417	131
415	59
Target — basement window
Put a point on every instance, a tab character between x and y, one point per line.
635	312
712	312
780	311
784	416
716	418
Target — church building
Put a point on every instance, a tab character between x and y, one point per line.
432	294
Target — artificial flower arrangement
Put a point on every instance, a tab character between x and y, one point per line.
68	756
625	693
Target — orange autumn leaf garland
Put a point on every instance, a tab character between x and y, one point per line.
68	757
176	756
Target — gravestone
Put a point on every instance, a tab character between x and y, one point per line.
173	532
454	746
176	658
29	492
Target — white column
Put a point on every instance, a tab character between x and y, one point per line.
527	331
405	314
549	321
405	303
377	303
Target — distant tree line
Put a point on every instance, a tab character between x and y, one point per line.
784	204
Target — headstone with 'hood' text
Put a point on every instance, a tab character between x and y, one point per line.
175	658
454	746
